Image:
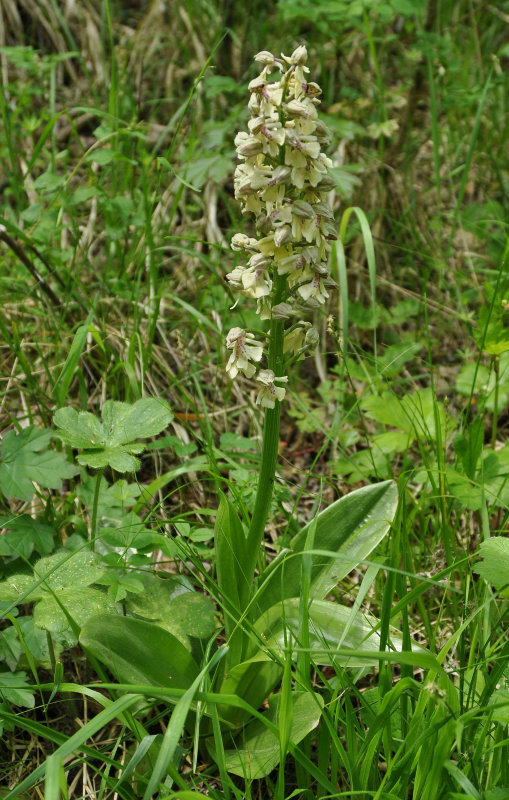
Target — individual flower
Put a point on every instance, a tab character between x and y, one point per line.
269	392
245	349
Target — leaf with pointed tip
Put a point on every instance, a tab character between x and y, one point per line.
350	528
335	636
257	751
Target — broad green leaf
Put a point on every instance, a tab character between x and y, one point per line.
11	648
118	458
144	418
414	413
24	534
337	635
138	652
80	604
494	567
131	532
170	603
16	588
25	459
251	680
59	571
330	626
112	441
351	528
257	751
79	428
36	640
63	570
12	688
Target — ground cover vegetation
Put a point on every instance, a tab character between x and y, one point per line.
254	379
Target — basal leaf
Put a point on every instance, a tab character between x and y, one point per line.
337	635
80	429
351	528
64	569
24	534
17	588
139	652
12	689
182	613
257	751
230	543
251	680
116	457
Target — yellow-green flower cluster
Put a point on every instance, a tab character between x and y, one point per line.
283	180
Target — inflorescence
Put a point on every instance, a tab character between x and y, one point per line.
283	180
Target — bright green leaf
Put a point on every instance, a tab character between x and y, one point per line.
25	459
63	570
494	567
139	652
12	688
79	603
257	751
350	528
112	441
24	534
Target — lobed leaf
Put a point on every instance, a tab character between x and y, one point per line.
25	459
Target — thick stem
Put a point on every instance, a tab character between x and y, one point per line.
270	443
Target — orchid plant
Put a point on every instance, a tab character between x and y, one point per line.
282	179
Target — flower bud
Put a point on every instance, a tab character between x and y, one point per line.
312	338
266	58
283	311
299	55
242	242
327	184
258	261
282	235
303	209
328	229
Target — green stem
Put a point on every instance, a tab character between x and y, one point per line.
93	526
270	443
496	370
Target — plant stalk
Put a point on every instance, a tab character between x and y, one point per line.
270	442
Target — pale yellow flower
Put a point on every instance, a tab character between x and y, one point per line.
245	349
269	392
